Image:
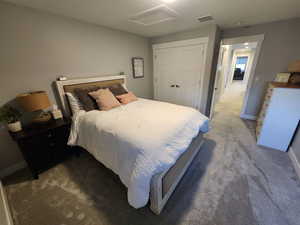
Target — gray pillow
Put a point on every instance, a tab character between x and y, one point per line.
117	89
86	100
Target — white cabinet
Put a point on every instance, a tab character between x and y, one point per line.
279	116
179	70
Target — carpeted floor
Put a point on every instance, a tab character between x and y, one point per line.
231	182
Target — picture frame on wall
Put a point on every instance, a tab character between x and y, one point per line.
138	67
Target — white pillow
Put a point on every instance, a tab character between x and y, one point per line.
74	102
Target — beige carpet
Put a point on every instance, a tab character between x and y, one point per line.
231	182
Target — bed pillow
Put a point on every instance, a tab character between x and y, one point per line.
86	100
105	99
74	102
117	89
127	98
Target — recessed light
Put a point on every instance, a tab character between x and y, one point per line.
247	47
246	43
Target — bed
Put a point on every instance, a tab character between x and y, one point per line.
152	155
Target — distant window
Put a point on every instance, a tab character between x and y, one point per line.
240	67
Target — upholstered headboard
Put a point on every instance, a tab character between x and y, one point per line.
70	85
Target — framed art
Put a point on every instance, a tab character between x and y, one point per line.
138	67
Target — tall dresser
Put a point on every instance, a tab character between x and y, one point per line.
279	116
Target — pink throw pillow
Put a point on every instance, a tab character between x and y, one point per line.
127	98
105	99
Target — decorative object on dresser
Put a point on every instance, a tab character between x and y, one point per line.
36	102
10	116
138	67
279	116
294	68
282	77
44	146
295	78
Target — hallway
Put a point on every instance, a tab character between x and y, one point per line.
260	182
232	98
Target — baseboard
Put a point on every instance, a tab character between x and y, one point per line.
3	200
248	117
10	170
295	161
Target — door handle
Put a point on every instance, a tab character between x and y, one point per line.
173	85
178	86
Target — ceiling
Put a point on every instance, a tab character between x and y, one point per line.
116	13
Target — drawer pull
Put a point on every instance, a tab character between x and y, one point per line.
49	135
51	144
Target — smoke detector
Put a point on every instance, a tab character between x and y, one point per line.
206	18
155	15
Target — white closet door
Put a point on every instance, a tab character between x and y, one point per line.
188	75
178	73
165	75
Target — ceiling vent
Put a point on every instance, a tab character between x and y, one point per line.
203	19
154	15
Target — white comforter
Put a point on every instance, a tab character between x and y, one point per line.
137	140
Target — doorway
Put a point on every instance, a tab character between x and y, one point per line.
235	72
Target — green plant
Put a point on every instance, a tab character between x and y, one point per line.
9	114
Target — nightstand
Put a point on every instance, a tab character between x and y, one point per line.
44	146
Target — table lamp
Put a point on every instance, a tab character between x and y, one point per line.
36	102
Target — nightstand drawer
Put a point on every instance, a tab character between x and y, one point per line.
61	134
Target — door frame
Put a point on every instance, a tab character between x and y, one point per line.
216	84
238	40
176	44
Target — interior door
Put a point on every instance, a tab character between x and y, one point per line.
189	67
165	75
218	81
178	74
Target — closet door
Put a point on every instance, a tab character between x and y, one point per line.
188	75
178	73
165	75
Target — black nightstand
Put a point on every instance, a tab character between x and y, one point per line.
44	146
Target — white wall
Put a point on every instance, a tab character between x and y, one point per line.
36	48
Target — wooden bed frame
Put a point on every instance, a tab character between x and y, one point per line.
162	184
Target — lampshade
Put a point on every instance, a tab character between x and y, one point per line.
34	101
294	67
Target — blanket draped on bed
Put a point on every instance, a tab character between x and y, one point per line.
137	140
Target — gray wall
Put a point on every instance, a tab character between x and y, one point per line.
213	33
281	46
36	47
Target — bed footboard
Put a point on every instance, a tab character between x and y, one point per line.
163	184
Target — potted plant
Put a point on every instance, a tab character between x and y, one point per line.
11	117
